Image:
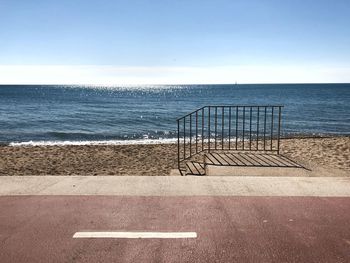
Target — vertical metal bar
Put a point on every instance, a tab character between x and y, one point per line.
257	129
236	126
184	138
229	128
279	129
178	144
265	129
190	134
209	128
202	128
197	131
216	125
271	127
243	125
222	128
250	129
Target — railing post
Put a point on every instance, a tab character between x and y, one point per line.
257	130
271	127
197	131
243	125
265	129
229	128
184	138
250	128
209	129
236	127
190	134
202	128
279	129
222	128
216	125
178	145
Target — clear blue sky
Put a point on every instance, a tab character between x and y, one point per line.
176	33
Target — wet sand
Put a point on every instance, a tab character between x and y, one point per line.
150	160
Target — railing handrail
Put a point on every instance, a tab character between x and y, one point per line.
180	118
226	106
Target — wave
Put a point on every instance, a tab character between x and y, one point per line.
102	142
157	141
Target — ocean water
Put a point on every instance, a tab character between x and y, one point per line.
147	114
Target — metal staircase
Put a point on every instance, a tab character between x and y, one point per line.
226	128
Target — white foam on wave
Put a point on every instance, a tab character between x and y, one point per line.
106	142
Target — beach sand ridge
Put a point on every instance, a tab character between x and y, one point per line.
150	160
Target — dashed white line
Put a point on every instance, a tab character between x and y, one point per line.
135	235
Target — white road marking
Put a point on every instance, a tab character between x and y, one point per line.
135	235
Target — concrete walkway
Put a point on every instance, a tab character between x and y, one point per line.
175	186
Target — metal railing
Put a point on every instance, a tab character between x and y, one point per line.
226	127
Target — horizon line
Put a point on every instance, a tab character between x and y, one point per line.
174	84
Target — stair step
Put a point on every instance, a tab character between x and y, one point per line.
195	168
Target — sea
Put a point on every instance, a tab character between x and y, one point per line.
83	114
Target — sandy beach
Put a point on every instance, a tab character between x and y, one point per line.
150	160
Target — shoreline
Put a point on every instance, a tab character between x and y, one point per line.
151	159
139	141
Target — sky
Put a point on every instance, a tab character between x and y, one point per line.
174	41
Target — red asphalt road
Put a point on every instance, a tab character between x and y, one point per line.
230	229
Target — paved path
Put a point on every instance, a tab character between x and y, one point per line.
237	219
175	185
229	229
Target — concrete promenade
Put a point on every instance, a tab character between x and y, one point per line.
175	186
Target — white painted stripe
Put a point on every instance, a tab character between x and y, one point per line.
135	235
